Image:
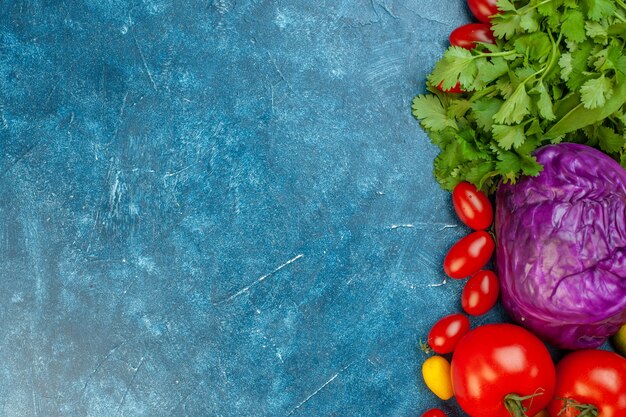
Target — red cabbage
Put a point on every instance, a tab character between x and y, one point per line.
561	247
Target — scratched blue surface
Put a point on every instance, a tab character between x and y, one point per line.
219	208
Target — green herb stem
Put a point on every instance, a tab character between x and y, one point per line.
555	47
619	17
535	6
494	54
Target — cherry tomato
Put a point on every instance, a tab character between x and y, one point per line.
434	412
542	413
454	90
483	9
469	255
466	36
480	293
472	206
446	333
500	369
436	373
590	379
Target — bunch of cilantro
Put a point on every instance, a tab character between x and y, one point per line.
556	73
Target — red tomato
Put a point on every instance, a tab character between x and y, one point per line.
446	333
434	412
483	9
469	255
480	293
495	366
593	379
454	90
472	206
466	36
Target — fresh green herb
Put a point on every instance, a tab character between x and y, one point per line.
557	73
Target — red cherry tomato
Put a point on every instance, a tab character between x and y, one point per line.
494	366
466	36
454	90
483	9
469	255
472	206
446	333
434	412
590	379
480	293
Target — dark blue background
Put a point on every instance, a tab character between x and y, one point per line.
219	208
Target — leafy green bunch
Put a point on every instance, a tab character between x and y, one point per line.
556	73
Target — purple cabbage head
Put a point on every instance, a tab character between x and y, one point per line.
561	251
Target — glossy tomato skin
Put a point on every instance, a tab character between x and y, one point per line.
434	412
594	377
469	255
436	374
466	36
446	333
495	360
454	90
483	9
480	293
472	206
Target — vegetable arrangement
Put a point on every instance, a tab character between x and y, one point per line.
553	71
517	105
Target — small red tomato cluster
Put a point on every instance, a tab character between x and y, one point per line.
468	256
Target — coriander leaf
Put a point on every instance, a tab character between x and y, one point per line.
577	76
544	101
509	136
529	21
505	6
609	140
613	57
536	45
573	27
505	85
534	129
598	9
514	108
505	26
595	92
469	150
457	108
484	109
430	112
565	62
577	117
489	71
457	65
478	172
620	65
596	30
530	166
617	29
548	9
443	137
509	165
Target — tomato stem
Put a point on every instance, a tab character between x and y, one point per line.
514	406
584	410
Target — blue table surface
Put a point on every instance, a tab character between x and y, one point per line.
219	207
